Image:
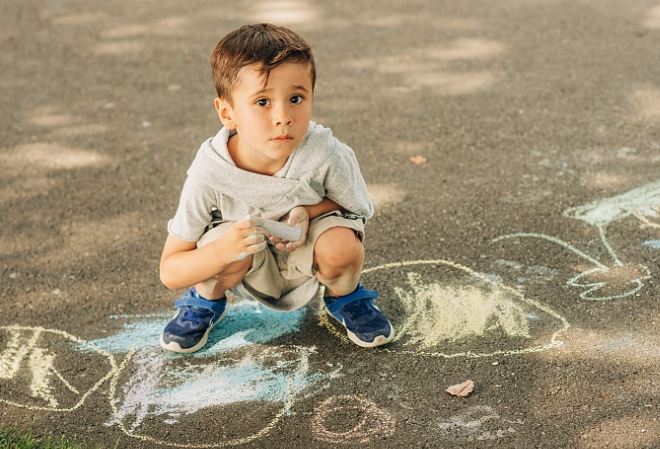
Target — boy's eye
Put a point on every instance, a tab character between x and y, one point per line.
296	99
262	101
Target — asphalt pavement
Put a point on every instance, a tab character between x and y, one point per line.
511	148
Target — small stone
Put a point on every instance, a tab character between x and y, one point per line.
13	275
174	87
495	363
146	123
57	291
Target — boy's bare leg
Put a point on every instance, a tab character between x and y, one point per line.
338	258
215	287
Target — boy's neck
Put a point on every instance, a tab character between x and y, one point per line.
233	147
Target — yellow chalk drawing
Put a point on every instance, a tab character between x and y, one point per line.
41	364
436	314
24	344
17	348
372	420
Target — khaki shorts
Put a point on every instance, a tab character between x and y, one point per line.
275	273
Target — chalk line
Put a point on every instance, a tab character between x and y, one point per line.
601	233
292	387
324	320
646	221
39	331
371	422
16	350
553	240
595	286
636	202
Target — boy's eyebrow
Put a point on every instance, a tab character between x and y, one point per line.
295	87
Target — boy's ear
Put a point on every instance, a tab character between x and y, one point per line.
225	112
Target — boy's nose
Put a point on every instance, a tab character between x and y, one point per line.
283	117
284	121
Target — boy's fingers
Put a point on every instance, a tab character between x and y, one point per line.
294	245
256	247
245	223
255	238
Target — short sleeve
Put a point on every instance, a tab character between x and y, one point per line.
193	214
344	183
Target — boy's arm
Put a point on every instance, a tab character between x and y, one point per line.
325	206
182	264
344	183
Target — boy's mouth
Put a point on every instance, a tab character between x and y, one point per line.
282	138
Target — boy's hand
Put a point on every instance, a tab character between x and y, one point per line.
242	239
299	217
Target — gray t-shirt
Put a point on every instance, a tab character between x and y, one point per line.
321	167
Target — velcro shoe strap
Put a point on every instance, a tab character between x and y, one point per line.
335	305
216	307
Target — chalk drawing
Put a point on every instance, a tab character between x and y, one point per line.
32	353
653	244
435	312
479	422
642	203
246	323
171	390
372	421
525	275
465	307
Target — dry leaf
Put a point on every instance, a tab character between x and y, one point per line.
418	159
461	390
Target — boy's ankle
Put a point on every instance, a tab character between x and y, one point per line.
205	297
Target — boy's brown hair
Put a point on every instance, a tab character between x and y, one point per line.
263	43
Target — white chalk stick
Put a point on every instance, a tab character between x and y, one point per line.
278	229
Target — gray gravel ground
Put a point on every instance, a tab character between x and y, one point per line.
523	110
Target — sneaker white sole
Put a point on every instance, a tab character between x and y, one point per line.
378	341
174	346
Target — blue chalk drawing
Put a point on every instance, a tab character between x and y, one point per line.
653	244
246	323
237	365
162	387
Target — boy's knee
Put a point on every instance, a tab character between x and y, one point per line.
338	247
238	268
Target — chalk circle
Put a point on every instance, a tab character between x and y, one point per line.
372	421
288	365
440	308
43	366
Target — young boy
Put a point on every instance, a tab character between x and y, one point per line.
268	161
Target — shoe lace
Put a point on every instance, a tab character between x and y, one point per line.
196	315
360	312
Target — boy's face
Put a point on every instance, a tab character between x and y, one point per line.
272	119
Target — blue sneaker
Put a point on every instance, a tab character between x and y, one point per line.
365	324
189	330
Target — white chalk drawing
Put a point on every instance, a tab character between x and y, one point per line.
31	356
170	390
532	274
642	203
465	307
372	421
479	422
